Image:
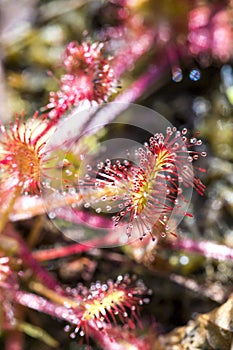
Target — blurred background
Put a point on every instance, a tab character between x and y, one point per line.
190	43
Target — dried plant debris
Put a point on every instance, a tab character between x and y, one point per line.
213	330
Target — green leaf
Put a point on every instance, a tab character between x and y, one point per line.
38	333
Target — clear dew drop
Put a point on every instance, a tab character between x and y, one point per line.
98	210
52	215
180	179
104	287
108	208
179	190
193	140
72	335
68	172
76	330
119	278
195	74
67	328
163	234
146	300
203	154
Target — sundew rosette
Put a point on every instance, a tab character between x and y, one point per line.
146	197
132	180
88	78
22	144
108	303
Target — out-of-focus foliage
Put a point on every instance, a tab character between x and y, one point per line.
190	44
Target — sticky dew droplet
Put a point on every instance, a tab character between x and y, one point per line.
68	172
52	215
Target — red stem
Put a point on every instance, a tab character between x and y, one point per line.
14	340
60	252
26	255
14	337
209	250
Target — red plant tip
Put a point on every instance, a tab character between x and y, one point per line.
82	57
21	154
88	77
145	195
112	301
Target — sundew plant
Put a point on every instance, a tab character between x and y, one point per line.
116	175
